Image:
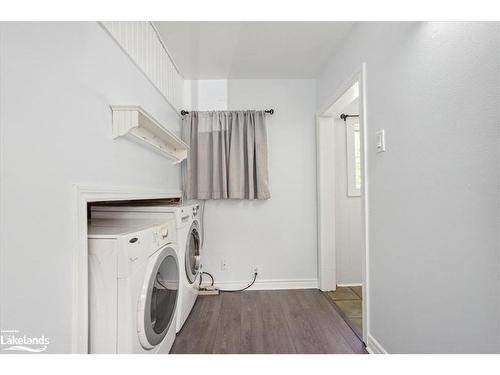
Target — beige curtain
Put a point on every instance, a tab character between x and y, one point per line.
227	157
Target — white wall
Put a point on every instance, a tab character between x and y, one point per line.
348	231
278	234
205	95
57	81
434	211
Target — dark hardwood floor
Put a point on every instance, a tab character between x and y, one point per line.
270	321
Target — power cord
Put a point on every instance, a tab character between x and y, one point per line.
201	278
222	290
245	288
202	224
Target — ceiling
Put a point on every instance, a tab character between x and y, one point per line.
217	50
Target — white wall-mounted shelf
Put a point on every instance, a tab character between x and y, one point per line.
135	123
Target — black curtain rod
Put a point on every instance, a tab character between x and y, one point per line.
270	111
344	117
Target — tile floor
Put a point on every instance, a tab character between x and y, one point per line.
349	300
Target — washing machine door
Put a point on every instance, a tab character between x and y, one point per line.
192	253
158	298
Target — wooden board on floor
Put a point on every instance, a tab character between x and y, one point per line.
263	329
228	336
199	331
261	322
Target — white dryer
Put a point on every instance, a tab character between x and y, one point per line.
133	286
188	226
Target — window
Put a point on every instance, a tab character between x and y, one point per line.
353	158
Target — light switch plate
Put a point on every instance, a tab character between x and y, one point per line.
380	146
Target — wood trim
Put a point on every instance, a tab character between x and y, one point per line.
365	199
270	284
323	246
81	196
374	347
325	203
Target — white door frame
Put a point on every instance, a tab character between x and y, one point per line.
82	196
326	193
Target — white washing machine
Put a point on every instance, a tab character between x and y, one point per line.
133	286
188	238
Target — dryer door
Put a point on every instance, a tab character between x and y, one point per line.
192	258
158	298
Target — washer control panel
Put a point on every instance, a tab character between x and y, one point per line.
165	233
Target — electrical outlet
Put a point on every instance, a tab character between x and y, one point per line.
224	265
255	269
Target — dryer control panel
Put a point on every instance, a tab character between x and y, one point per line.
196	209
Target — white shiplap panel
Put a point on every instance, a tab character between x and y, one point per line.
156	62
142	50
140	41
133	41
163	74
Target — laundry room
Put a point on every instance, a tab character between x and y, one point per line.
233	244
120	123
249	186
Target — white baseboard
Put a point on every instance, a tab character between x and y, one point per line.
374	347
349	284
270	284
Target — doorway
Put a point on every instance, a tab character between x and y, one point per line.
342	204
